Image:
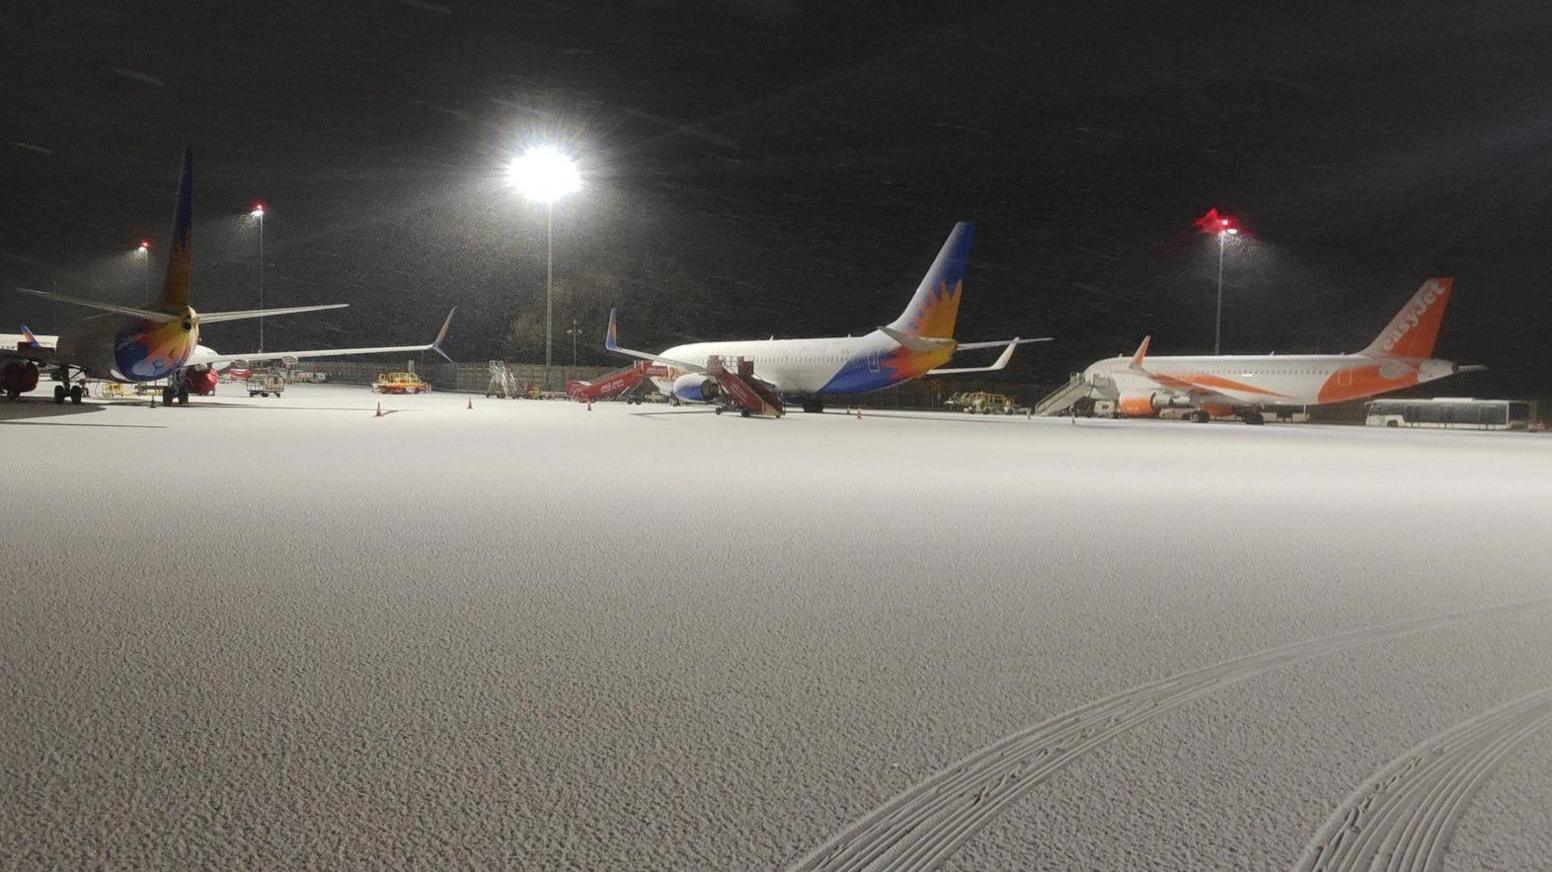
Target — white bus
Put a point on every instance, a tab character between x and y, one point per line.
1451	413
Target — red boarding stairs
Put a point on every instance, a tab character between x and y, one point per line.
749	394
615	383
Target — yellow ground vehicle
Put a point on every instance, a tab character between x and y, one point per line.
399	383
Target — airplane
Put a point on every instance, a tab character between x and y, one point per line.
1238	385
159	340
913	345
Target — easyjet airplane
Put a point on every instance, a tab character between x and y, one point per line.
915	344
157	341
1238	385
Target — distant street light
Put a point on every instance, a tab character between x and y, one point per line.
574	332
545	175
258	215
143	251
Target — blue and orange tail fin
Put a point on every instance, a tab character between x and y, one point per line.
1415	329
180	253
935	305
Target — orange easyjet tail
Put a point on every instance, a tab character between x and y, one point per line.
1415	329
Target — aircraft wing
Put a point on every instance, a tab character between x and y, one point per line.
611	345
201	359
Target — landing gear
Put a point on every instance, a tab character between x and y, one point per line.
169	394
1200	416
59	394
813	405
76	393
183	396
1251	415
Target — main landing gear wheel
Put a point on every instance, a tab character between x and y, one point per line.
76	393
183	396
1200	416
813	406
168	395
59	394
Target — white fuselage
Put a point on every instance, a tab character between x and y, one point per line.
1274	379
806	367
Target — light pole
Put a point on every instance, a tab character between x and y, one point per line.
258	215
545	174
1225	230
143	251
574	332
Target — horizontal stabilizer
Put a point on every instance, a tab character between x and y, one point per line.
998	343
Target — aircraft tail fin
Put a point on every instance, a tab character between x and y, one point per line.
1415	329
935	305
175	287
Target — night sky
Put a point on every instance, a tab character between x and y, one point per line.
767	167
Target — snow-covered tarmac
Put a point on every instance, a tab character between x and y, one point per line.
271	633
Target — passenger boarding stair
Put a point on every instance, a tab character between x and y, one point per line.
615	383
1059	401
749	394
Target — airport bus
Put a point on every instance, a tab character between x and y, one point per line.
1451	413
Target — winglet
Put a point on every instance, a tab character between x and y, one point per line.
1142	351
441	336
1006	355
31	339
612	336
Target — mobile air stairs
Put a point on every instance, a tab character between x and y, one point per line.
1061	400
625	382
745	392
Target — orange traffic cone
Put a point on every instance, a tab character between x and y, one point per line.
590	404
379	409
471	403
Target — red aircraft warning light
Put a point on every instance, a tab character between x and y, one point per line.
1216	223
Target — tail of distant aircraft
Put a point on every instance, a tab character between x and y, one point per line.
935	305
180	254
1415	329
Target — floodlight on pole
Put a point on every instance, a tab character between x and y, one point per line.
258	216
1225	229
544	175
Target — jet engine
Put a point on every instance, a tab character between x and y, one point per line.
1146	404
18	377
696	387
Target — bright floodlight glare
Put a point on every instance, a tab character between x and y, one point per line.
258	210
544	174
144	246
1232	231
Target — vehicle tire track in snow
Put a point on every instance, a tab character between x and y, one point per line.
1402	818
920	828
